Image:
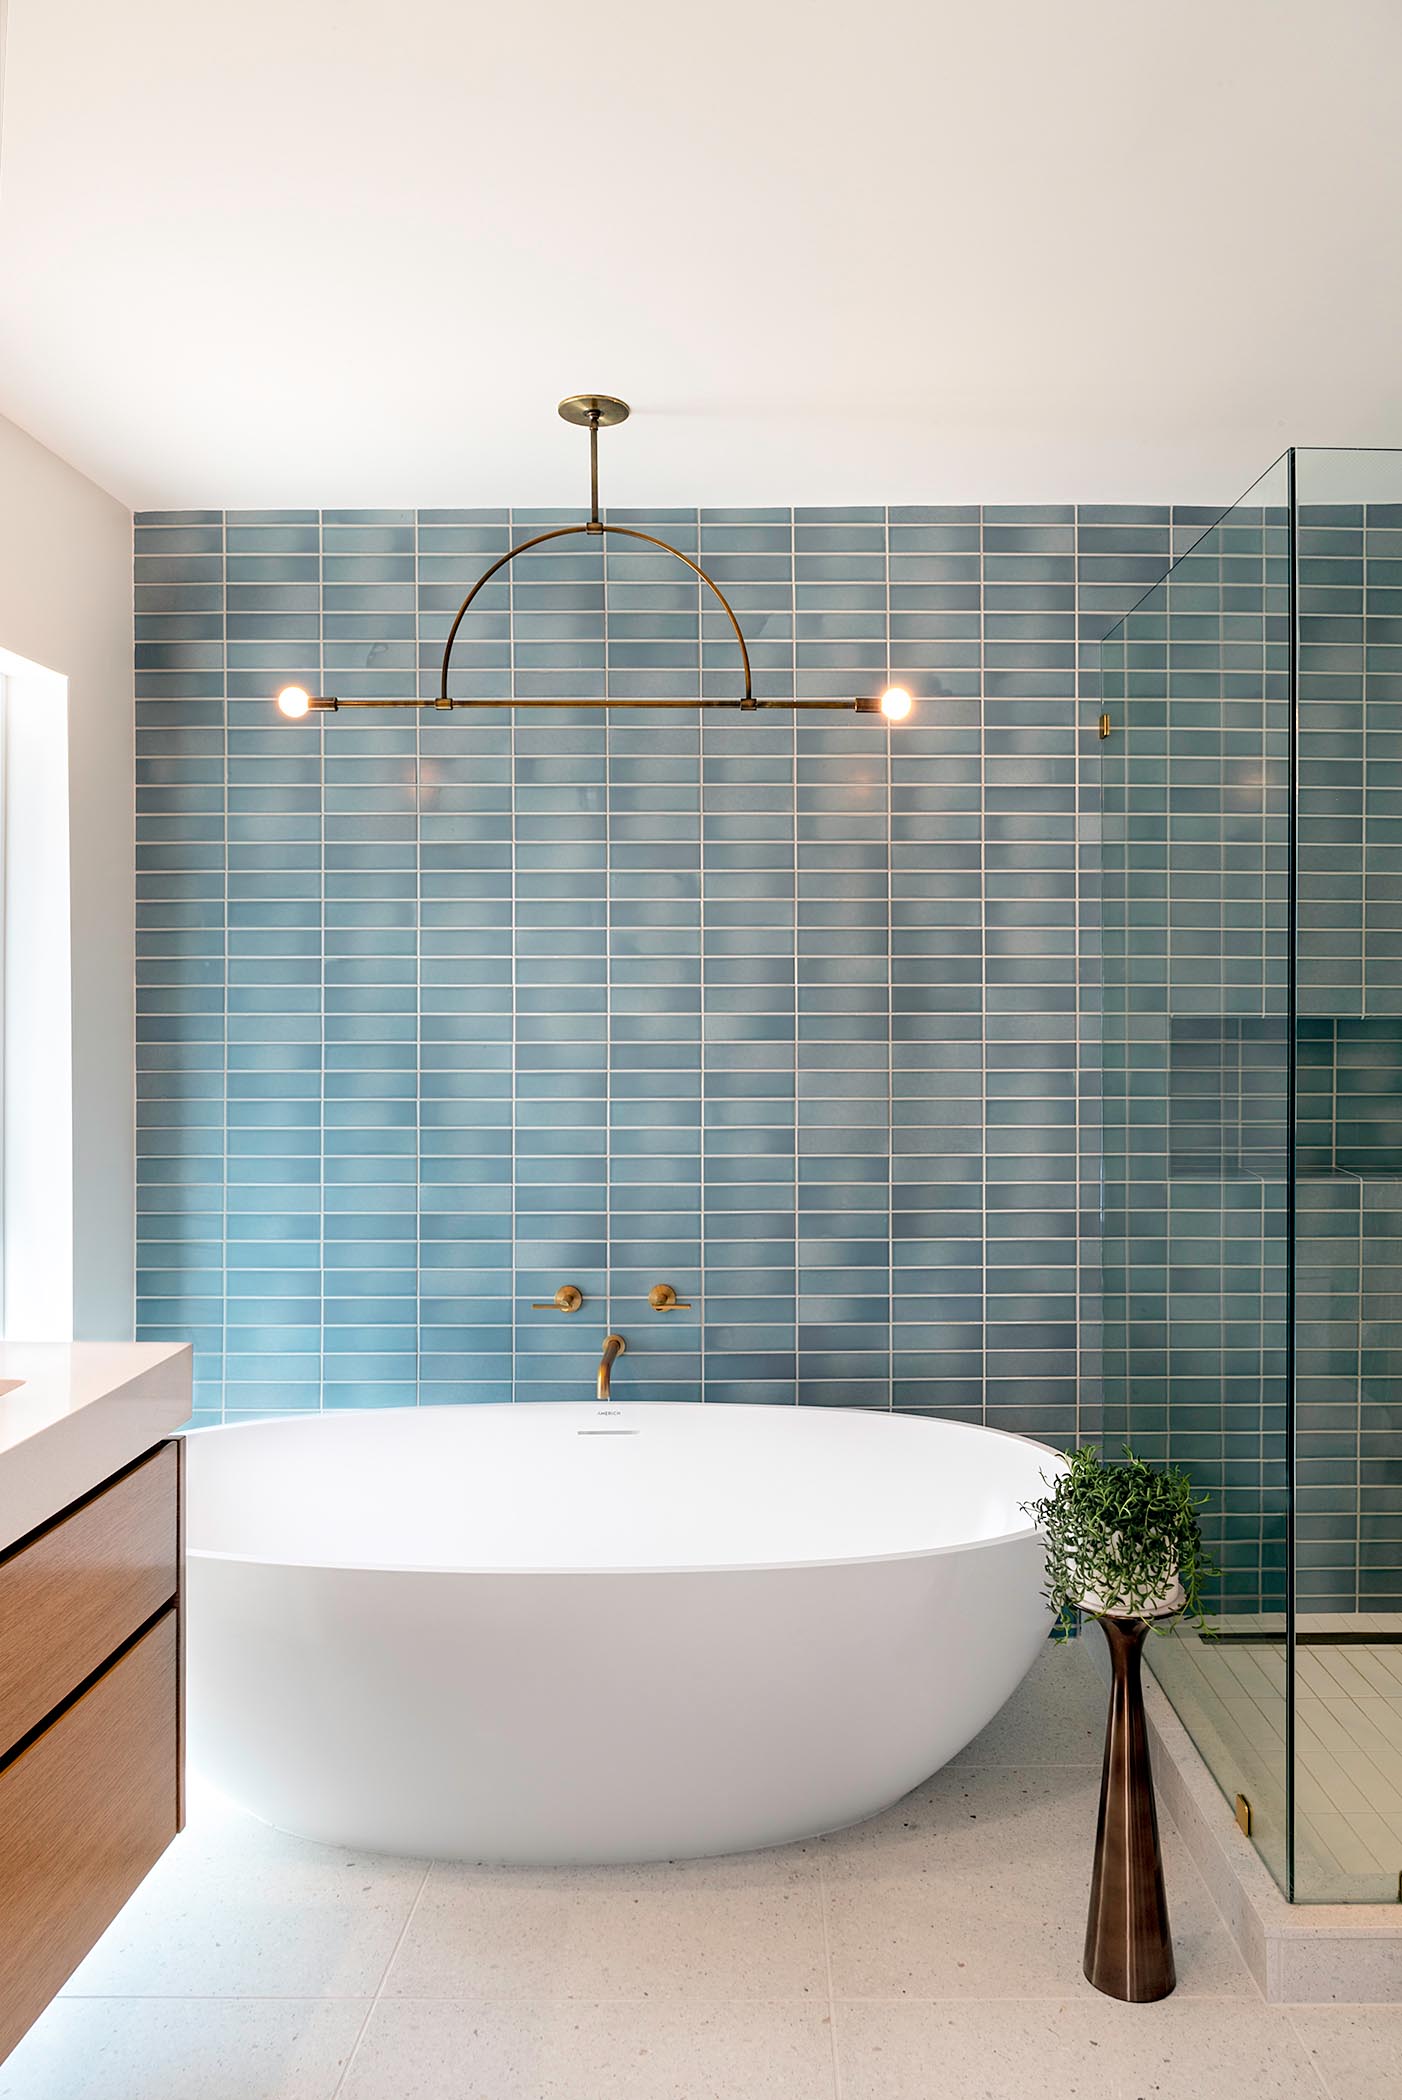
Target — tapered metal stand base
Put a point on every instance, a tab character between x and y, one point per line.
1129	1950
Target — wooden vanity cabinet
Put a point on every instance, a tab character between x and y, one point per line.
91	1723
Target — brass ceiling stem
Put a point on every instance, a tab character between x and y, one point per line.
594	525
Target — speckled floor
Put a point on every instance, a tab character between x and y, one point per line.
931	1954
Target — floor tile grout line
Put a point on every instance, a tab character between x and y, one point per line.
378	1993
354	2049
1073	1994
827	1965
796	2001
808	2001
67	1997
403	1932
1325	2087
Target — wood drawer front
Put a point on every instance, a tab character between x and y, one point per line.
85	1812
71	1597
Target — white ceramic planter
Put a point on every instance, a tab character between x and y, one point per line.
1170	1599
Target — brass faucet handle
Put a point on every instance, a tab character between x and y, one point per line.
567	1299
663	1298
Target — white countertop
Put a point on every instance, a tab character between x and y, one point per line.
78	1412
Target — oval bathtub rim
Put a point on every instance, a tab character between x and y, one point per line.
724	1567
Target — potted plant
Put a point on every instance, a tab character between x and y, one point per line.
1124	1543
1123	1539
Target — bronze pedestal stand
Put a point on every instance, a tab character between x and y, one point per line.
1129	1951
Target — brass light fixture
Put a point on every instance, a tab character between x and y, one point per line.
595	412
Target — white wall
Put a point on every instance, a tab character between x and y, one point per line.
65	603
38	1017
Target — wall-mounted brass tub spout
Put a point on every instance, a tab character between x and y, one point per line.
614	1346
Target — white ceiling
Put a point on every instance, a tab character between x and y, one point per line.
352	251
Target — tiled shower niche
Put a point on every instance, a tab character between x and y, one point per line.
1348	1117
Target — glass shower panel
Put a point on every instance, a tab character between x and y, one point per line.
1196	1017
1348	1150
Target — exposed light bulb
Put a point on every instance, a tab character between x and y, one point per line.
896	703
294	700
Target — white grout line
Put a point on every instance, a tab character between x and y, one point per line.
827	1965
1077	1995
1324	2086
378	1992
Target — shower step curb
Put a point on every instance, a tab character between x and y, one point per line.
1299	1953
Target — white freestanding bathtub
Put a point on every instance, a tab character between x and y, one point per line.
570	1633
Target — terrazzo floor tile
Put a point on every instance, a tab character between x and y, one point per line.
1356	2049
185	2049
749	1926
975	1886
1083	2049
1055	1717
235	1909
580	2051
932	1953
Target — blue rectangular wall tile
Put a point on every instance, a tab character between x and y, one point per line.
436	1015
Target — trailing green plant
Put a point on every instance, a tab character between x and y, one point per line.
1123	1529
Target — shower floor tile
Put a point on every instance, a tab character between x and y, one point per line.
1230	1696
930	1954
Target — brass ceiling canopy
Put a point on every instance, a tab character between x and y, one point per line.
593	412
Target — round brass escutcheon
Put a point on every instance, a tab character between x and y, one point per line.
567	1299
663	1298
582	408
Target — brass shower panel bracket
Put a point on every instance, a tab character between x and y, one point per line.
1105	727
567	1299
1243	1815
663	1298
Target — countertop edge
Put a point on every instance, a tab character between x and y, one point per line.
90	1418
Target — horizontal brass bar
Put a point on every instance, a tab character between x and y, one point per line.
329	704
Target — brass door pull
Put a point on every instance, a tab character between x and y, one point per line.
567	1299
662	1298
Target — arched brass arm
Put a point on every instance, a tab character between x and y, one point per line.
592	531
